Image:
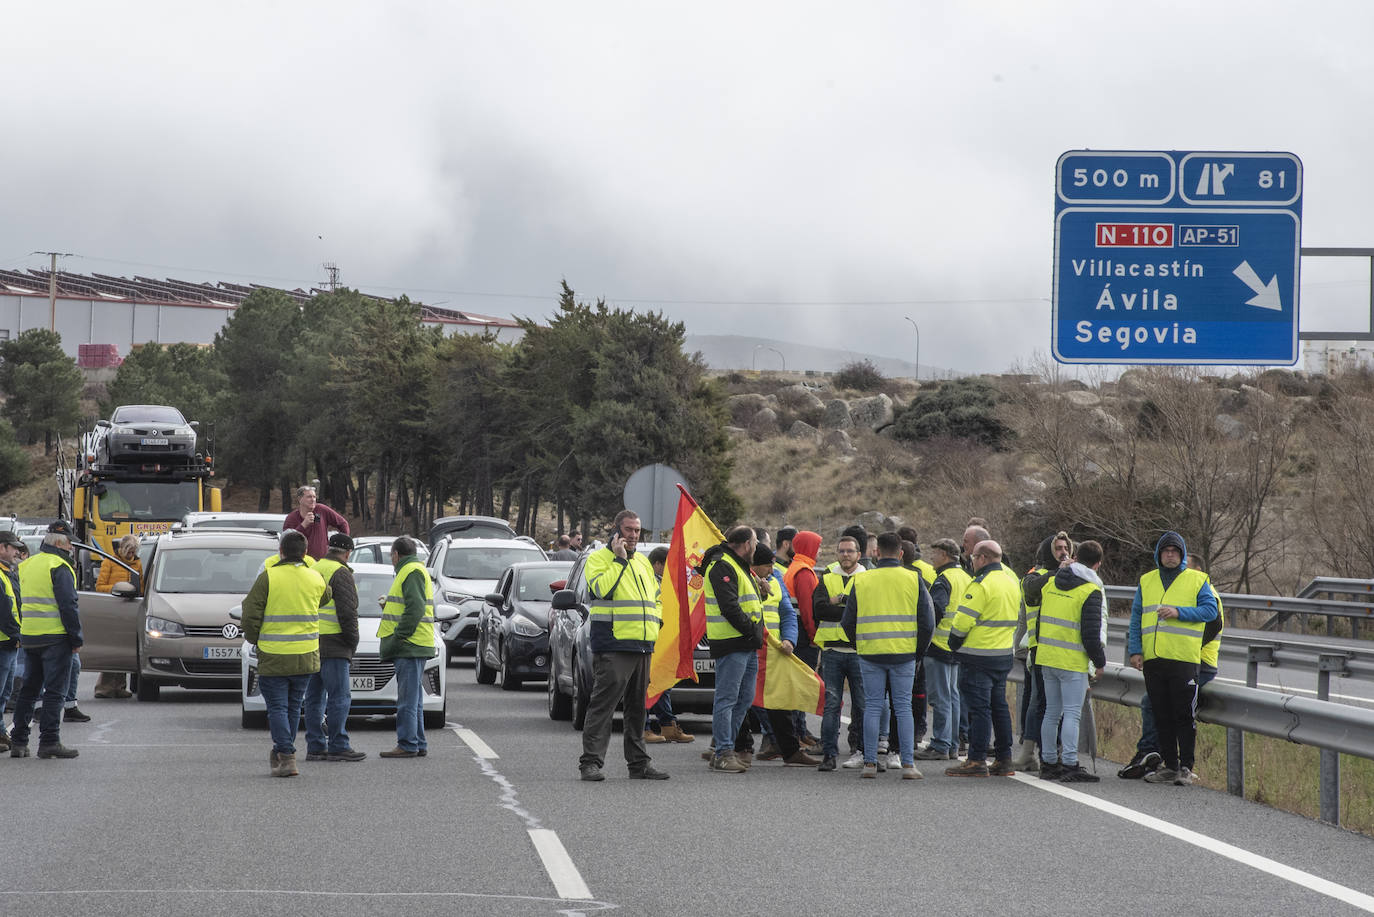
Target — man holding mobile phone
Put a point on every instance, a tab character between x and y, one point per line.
625	621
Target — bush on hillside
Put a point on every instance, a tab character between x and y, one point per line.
861	376
958	409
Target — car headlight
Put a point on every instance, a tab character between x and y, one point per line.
183	431
125	431
161	627
453	598
524	626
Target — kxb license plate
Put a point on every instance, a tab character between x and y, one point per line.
362	683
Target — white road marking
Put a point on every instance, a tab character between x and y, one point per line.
567	881
472	740
1263	864
1288	689
305	893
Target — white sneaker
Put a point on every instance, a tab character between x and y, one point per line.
855	761
1185	777
894	760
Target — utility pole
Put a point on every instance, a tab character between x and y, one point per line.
52	286
333	270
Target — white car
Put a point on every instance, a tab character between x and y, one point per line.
373	684
204	521
376	549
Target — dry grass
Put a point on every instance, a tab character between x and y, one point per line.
1277	773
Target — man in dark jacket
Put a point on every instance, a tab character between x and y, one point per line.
9	620
407	640
50	632
734	626
328	694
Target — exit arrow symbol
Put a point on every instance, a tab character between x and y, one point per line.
1266	295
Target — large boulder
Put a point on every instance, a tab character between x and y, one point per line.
839	441
837	415
764	424
872	412
876	523
804	431
798	398
1229	427
744	407
1106	425
1081	398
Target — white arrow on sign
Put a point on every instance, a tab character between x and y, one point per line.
1266	295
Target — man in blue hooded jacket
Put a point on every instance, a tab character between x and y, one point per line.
1169	614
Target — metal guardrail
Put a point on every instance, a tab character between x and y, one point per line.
1337	585
1283	607
1334	728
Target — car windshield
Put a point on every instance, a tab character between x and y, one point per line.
147	413
485	563
371	587
532	585
207	571
155	501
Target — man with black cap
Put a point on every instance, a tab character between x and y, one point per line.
9	619
50	632
327	694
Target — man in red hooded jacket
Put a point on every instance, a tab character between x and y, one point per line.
801	582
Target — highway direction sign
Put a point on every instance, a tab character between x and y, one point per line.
1176	257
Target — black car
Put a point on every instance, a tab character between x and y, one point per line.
570	657
143	432
513	630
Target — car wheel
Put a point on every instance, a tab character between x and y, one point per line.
485	674
148	689
437	719
509	680
579	700
253	719
560	705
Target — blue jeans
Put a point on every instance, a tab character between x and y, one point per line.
70	699
1149	735
942	687
896	677
410	718
327	698
735	677
283	695
835	668
1064	694
7	658
49	668
1035	704
662	711
983	690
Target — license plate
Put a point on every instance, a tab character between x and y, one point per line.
153	441
220	652
362	683
704	665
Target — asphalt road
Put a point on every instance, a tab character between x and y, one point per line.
169	811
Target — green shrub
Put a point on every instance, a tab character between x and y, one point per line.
860	376
960	409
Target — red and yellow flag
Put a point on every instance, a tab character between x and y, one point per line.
785	682
682	597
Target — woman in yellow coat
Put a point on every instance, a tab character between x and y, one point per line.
112	684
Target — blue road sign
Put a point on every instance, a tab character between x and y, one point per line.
1173	257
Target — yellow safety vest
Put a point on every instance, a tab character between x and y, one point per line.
717	628
926	570
14	599
329	612
958	579
889	602
1033	611
38	614
1060	641
396	606
772	608
1211	650
275	559
836	582
1171	638
291	619
632	608
987	614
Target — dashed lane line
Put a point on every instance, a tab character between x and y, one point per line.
472	740
1254	860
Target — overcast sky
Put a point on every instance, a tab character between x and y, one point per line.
805	172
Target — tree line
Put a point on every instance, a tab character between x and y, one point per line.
401	424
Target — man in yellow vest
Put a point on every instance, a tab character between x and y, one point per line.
1068	642
10	544
839	659
328	696
734	627
407	641
281	616
1169	617
980	636
50	632
624	627
889	618
942	672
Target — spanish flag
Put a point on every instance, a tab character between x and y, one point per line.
785	682
682	598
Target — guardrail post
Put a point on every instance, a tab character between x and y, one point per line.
1235	738
1330	780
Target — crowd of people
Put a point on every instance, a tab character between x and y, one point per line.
923	646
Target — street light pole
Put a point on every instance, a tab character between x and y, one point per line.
754	361
918	346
